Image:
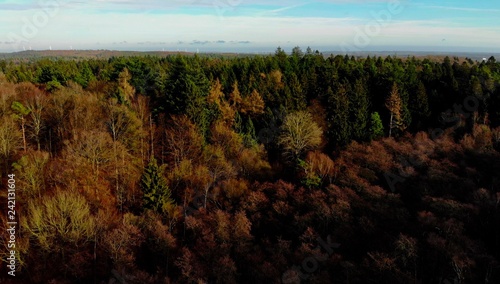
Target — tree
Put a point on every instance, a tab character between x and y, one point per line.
157	195
299	133
217	167
393	104
339	124
126	91
92	147
36	123
216	97
358	108
10	139
253	104
186	92
7	92
123	124
63	218
20	111
376	126
419	105
183	140
321	165
31	168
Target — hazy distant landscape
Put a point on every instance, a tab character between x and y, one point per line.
104	54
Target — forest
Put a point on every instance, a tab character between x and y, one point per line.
284	168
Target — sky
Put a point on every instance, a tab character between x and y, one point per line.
251	25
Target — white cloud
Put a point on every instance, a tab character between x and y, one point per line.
73	27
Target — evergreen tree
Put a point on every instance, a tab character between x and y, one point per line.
419	106
187	89
339	125
358	108
157	195
249	136
376	126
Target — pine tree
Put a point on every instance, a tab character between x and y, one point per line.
376	127
249	134
157	195
339	125
358	108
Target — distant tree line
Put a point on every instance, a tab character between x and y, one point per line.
193	169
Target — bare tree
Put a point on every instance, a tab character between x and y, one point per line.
10	139
299	134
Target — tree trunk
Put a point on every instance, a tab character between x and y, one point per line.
390	125
24	134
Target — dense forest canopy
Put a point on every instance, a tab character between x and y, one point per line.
284	168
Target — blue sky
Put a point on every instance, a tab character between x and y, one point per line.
250	25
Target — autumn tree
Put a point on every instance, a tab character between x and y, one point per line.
182	139
393	104
7	93
36	122
123	124
299	134
125	91
235	96
31	168
321	165
253	104
10	139
123	242
90	158
217	97
64	219
217	166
